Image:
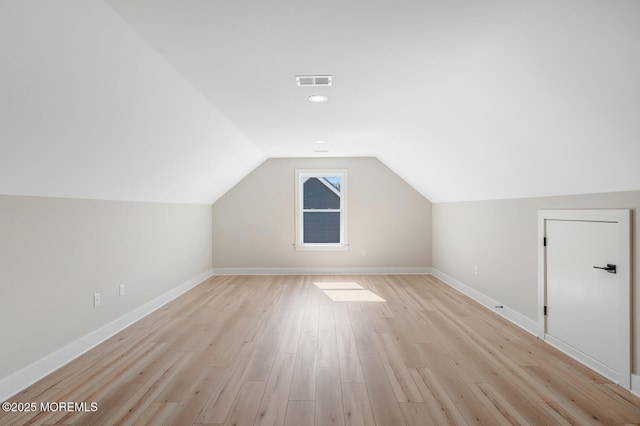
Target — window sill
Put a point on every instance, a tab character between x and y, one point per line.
321	247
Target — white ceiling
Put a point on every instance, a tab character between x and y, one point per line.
89	110
466	100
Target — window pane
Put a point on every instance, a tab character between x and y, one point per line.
321	227
320	193
335	181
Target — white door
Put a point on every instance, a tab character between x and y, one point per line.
582	315
584	288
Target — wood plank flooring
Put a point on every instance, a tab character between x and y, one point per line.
276	350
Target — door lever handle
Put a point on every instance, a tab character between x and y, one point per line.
610	268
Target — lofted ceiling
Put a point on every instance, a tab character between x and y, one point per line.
178	99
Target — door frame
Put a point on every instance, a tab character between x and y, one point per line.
623	218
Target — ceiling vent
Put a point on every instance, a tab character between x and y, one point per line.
313	80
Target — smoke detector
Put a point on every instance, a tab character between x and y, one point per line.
313	80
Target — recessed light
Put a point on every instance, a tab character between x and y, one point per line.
321	142
318	98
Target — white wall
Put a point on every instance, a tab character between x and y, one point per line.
501	238
56	253
389	223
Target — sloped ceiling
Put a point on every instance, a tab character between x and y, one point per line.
464	99
89	110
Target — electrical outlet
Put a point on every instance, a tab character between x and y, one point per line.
97	299
121	290
475	269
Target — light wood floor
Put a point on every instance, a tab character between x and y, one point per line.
277	351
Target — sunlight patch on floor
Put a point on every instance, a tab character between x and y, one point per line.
353	296
339	285
347	291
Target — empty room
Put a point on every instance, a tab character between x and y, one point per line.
411	212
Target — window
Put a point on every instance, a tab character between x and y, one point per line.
321	209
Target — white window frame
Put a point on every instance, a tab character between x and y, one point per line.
300	176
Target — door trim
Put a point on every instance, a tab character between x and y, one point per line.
623	218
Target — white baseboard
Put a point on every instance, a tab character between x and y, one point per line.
531	326
515	317
635	385
25	377
421	270
583	359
